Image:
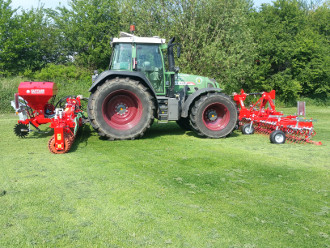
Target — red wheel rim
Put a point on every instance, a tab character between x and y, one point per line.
122	110
216	116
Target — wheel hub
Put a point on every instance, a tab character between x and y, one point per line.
211	115
248	129
216	116
279	138
121	109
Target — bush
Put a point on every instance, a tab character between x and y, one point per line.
62	72
8	87
70	79
78	85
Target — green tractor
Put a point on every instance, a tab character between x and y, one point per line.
142	84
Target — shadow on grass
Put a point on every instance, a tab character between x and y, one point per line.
82	137
45	132
231	135
169	129
166	129
172	128
158	130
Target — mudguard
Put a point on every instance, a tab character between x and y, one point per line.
191	98
131	74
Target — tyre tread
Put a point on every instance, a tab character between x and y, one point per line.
92	109
194	112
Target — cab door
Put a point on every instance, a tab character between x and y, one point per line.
149	61
122	57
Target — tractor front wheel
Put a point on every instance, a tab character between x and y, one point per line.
213	116
121	108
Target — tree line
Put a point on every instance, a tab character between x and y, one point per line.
282	46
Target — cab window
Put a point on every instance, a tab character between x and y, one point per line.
122	57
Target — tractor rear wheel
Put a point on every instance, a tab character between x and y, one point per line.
121	108
214	115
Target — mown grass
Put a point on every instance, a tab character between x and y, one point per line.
168	189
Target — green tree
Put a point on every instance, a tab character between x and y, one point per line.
215	36
7	22
27	41
85	31
318	70
292	56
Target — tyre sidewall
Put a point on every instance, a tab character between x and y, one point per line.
143	97
233	116
274	134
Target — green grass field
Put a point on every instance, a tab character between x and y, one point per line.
168	189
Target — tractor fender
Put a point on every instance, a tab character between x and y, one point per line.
131	74
191	98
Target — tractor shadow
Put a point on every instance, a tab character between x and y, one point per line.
166	129
233	134
171	128
157	130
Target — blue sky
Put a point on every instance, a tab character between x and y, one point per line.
27	4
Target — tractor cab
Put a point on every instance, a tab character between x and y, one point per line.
140	54
153	59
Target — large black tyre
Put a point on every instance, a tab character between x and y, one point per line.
277	137
121	108
213	115
184	123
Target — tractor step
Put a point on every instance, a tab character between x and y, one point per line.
162	110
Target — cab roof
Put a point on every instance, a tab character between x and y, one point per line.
131	38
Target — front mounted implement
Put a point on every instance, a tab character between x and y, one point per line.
34	104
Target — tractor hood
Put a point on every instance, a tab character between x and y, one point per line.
194	82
